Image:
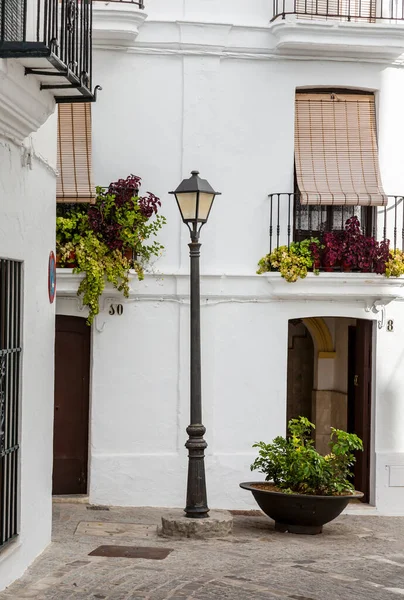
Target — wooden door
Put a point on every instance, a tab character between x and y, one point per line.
72	374
359	399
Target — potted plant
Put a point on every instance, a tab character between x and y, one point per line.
348	250
303	490
395	264
106	239
293	262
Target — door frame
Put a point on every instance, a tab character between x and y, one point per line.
371	491
76	313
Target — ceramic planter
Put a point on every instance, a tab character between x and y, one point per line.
299	513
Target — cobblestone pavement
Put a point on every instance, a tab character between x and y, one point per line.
355	558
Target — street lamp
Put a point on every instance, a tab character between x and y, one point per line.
195	197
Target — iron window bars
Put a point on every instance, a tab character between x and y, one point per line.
10	358
53	39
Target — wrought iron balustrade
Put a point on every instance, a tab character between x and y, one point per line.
53	40
139	3
10	358
290	221
366	11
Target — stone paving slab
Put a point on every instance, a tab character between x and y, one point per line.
357	557
102	529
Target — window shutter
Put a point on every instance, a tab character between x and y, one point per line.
12	20
336	155
75	179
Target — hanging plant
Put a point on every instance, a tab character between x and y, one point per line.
106	239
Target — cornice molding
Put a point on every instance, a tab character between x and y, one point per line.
365	288
23	107
369	41
116	25
288	39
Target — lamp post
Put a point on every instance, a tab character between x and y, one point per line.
195	198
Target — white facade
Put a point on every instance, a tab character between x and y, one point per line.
211	85
27	213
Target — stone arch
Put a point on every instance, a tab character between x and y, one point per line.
321	335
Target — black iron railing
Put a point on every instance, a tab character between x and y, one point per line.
139	3
10	353
369	11
290	221
56	37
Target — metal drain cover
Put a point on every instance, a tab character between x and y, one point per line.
131	552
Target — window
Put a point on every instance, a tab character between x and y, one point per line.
75	180
12	20
337	171
10	353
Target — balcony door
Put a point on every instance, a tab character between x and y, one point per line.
314	220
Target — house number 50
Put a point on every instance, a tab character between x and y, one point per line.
116	309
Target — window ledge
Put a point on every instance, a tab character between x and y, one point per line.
338	287
366	41
116	25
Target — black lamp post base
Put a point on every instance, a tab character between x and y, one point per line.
192	514
197	503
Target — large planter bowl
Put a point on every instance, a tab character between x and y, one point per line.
299	513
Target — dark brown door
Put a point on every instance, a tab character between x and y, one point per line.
359	398
72	373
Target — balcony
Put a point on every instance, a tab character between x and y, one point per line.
360	29
52	39
116	23
351	11
291	221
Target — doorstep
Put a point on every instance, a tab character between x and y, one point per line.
361	509
71	499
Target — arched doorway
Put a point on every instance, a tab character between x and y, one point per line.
329	382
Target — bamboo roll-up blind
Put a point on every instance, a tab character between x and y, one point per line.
336	155
75	179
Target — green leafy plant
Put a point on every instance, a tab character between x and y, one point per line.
293	262
106	239
294	465
395	264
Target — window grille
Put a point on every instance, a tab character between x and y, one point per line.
10	359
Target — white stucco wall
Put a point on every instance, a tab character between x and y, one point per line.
202	87
27	234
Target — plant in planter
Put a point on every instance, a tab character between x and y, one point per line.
305	490
395	264
353	250
106	239
349	250
71	224
293	262
121	218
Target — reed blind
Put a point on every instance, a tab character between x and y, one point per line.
336	157
75	179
